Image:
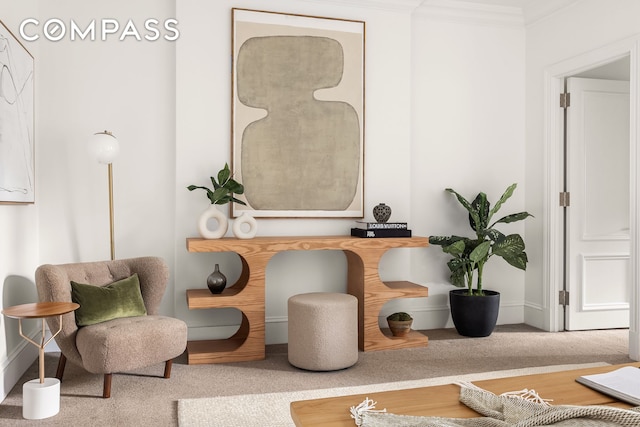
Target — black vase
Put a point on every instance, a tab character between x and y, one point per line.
474	316
216	281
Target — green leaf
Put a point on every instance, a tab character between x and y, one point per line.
456	264
234	186
518	261
471	245
240	202
443	240
220	194
466	205
493	234
193	187
439	240
457	278
456	248
505	196
481	205
224	174
214	183
209	192
223	200
480	252
513	218
510	246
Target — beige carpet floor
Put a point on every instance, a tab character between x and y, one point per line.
145	399
272	409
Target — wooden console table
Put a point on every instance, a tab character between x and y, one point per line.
248	293
443	401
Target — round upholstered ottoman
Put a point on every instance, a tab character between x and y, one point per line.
323	331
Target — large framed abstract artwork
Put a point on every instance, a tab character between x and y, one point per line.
17	151
298	115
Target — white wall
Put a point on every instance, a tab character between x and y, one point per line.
127	87
467	121
18	249
575	30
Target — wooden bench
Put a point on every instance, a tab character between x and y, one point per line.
443	400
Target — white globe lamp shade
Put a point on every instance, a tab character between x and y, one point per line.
104	147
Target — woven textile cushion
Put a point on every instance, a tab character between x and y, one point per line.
129	343
102	303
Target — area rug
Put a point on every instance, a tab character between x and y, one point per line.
272	409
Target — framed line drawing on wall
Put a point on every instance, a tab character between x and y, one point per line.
17	149
298	115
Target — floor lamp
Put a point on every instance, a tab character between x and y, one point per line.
104	147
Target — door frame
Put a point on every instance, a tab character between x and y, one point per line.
553	180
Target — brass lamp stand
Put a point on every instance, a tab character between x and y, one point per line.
105	148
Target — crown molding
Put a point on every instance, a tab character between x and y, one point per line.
511	13
471	12
407	6
538	10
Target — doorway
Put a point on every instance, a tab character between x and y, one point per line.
554	168
596	216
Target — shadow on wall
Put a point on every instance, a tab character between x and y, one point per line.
17	290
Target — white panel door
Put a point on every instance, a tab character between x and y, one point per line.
598	244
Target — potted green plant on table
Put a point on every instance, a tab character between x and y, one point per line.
474	310
222	193
399	323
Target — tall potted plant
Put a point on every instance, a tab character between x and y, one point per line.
474	309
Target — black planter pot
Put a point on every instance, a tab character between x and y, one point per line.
474	316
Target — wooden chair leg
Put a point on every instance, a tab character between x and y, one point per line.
167	368
106	390
62	362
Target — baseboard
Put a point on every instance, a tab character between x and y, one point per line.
534	315
439	317
424	318
276	330
15	366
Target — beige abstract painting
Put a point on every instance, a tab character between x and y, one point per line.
298	115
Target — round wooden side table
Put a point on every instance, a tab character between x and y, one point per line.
40	397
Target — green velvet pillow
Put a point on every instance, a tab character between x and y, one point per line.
101	303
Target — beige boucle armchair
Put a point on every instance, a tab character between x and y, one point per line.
117	345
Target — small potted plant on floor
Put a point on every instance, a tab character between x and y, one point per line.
399	323
474	310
